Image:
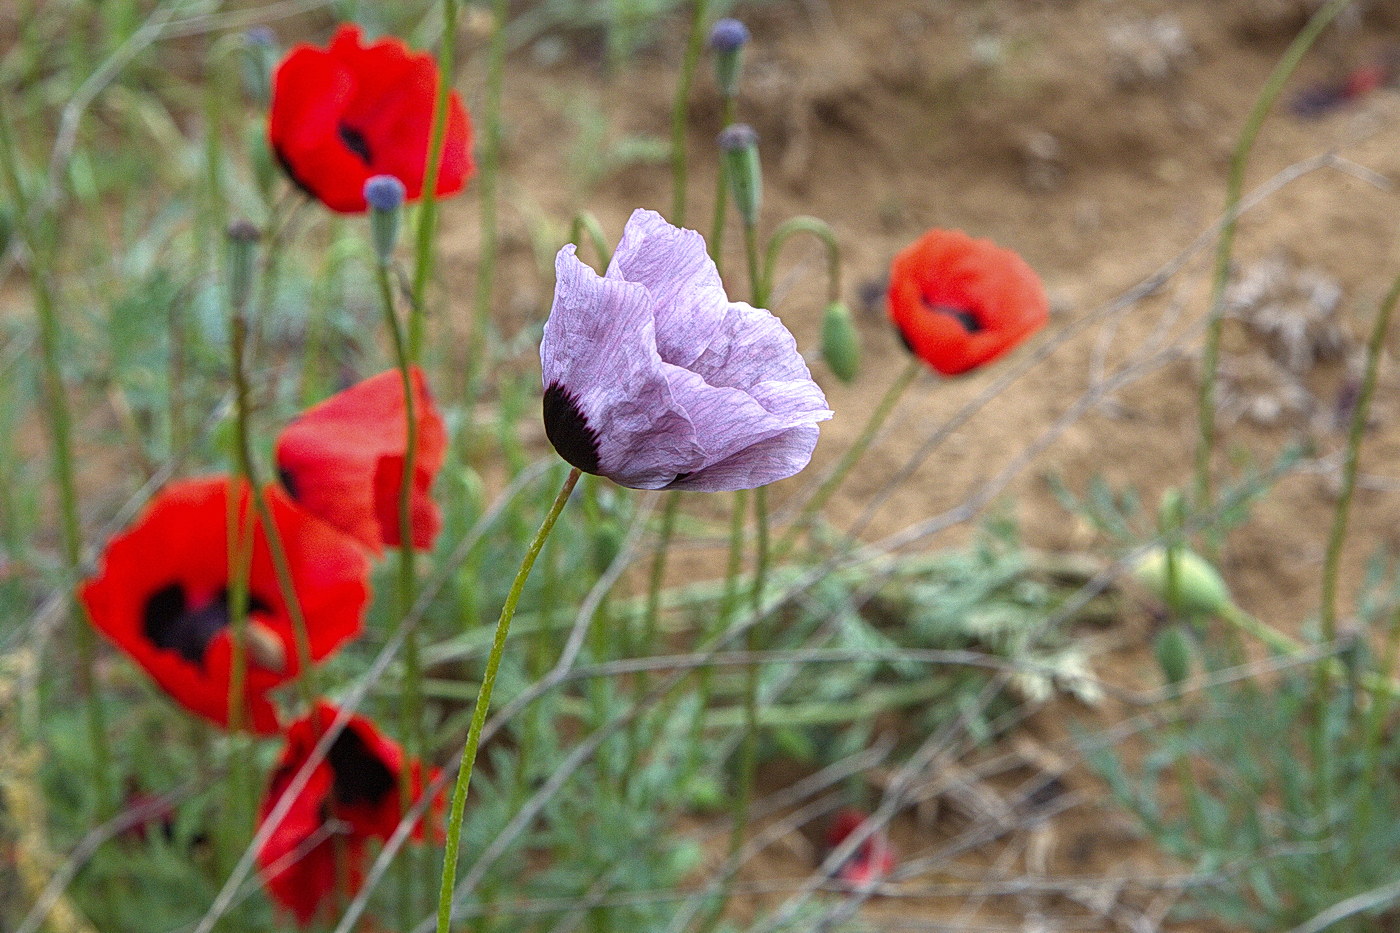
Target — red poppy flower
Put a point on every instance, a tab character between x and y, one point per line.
345	113
161	596
960	302
873	859
342	460
352	796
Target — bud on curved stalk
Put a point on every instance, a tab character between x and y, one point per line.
727	40
1174	653
738	145
840	342
265	170
1199	588
385	196
242	244
259	58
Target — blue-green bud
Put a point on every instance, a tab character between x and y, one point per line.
1199	588
385	196
738	145
1174	653
840	342
259	59
727	41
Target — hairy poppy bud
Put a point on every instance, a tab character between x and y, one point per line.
258	60
242	243
727	41
739	145
840	342
1199	589
385	195
1174	653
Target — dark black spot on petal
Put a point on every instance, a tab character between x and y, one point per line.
289	482
354	141
171	624
904	339
568	430
963	316
291	174
361	777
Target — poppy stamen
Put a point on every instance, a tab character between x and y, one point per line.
354	141
963	316
170	623
361	777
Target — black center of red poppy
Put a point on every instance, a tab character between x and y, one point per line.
361	776
354	141
289	482
568	430
966	318
171	624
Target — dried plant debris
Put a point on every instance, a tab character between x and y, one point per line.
1294	309
1148	52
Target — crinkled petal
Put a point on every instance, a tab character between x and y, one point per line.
759	464
599	352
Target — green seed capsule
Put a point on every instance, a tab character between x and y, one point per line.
840	342
1174	655
1199	588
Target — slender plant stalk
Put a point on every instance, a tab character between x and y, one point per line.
488	185
730	109
852	456
814	227
428	202
1381	704
652	615
483	703
412	711
60	425
587	222
680	111
1210	358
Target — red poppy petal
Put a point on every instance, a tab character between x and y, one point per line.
946	276
305	863
343	114
425	516
178	548
330	458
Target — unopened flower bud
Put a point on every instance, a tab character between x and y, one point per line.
1174	655
1199	589
738	144
385	196
840	342
727	41
258	60
260	157
242	244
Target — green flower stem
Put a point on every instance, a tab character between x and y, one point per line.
60	425
1210	358
306	678
652	614
817	228
1381	706
852	456
587	222
1328	614
428	204
730	109
488	185
680	111
411	720
483	703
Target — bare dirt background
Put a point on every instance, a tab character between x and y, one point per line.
1093	137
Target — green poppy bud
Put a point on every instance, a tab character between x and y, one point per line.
259	58
840	341
1174	653
1199	587
385	196
260	156
727	41
739	148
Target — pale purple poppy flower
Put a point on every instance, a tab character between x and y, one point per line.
656	380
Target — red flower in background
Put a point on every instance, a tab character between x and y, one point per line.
961	302
350	111
350	797
872	860
162	594
342	460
